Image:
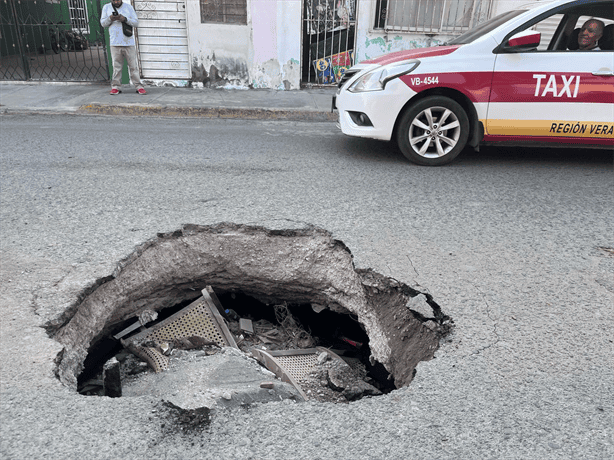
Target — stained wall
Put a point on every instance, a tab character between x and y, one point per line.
264	53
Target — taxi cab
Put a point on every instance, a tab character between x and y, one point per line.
506	81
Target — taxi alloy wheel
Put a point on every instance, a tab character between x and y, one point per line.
433	131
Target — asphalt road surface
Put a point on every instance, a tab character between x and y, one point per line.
514	244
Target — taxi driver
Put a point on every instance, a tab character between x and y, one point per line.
589	35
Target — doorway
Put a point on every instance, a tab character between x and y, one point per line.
162	38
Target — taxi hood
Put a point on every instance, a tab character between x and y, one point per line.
417	53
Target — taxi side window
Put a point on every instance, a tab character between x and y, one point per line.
592	34
547	28
574	30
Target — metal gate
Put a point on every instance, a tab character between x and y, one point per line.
328	40
52	40
162	38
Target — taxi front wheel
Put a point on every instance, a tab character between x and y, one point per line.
433	131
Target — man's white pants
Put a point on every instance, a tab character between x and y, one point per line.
118	54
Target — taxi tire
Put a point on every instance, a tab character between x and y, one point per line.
416	110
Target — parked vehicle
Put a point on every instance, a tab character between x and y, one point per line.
57	41
76	41
61	39
506	81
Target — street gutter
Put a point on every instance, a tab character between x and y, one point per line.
206	112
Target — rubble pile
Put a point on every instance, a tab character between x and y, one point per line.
335	380
187	342
287	334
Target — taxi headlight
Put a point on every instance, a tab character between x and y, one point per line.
376	79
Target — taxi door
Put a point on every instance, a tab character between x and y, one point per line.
553	96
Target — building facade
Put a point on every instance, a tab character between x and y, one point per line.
286	44
276	44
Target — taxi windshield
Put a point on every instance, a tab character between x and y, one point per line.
484	28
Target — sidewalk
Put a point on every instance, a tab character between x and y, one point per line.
94	98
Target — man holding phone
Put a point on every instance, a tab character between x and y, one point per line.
122	46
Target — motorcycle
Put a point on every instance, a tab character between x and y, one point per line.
64	40
57	41
76	41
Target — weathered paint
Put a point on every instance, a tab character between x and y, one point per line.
383	44
169	83
265	53
271	75
267	75
261	54
276	44
292	72
215	71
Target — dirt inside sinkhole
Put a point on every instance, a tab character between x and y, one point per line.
299	288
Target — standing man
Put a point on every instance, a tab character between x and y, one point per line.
122	47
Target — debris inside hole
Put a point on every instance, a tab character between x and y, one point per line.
306	273
326	354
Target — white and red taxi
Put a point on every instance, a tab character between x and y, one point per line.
502	82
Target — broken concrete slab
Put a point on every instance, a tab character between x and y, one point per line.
196	379
420	305
111	379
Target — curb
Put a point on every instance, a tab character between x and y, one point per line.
207	112
44	110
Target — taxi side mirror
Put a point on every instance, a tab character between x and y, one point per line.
527	40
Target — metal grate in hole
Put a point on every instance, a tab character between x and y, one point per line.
298	366
156	360
197	321
292	366
201	319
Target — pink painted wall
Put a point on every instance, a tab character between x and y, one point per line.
264	26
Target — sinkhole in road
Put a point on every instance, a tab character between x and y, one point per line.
299	289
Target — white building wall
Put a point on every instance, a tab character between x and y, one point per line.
371	43
265	53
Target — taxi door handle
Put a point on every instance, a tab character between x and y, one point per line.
604	73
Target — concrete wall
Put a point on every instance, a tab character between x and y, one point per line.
265	53
371	43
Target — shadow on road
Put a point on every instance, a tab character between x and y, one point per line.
534	155
370	150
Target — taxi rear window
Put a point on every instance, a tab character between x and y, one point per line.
484	28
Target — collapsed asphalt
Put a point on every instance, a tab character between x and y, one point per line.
508	241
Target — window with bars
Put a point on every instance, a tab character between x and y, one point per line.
78	16
430	16
223	11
